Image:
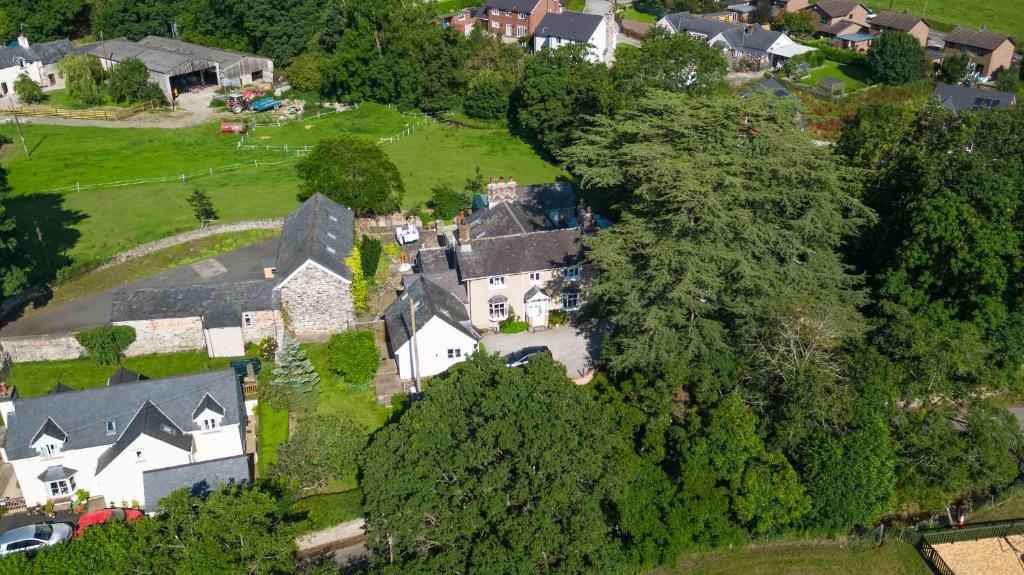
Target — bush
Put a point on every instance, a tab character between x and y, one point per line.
393	250
353	355
896	58
954	67
512	324
82	74
558	317
28	90
106	344
369	256
486	97
267	348
446	202
129	82
359	288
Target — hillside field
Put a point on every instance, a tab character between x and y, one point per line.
94	224
1006	16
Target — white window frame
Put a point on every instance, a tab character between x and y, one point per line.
495	24
111	427
508	29
496	282
455	353
49	451
520	31
247	319
522	16
508	12
568	296
572	273
209	424
62	487
534	278
494	11
497	305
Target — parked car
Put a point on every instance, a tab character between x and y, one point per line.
114	514
30	538
522	357
407	235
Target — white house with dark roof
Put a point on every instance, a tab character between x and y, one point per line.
737	41
443	334
561	29
105	440
37	61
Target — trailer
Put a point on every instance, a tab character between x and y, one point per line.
264	104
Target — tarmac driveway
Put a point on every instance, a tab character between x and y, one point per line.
237	265
574	346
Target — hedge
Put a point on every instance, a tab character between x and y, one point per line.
106	344
835	54
354	356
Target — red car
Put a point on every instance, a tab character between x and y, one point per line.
105	515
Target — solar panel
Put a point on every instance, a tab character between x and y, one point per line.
985	103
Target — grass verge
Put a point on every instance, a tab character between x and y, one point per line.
329	509
824	558
631	13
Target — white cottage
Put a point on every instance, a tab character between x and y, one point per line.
557	30
104	440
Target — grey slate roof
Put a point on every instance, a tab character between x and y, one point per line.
148	421
124	375
751	37
54	51
83	414
439	266
521	253
50	428
9	56
687	22
744	36
537	208
199	478
575	26
526	6
219	305
56	473
895	20
210	403
429	301
59	388
976	38
320	230
958	98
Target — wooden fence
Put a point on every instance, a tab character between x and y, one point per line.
50	112
924	540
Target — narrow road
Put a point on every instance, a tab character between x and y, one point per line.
345	543
193	109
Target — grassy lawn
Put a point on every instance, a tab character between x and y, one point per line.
37	377
631	13
856	77
996	15
575	5
80	226
273	431
163	260
797	558
357	403
322	511
825	116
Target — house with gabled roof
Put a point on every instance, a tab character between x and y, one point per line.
967	98
511	19
738	42
990	52
37	61
105	440
837	17
591	30
903	22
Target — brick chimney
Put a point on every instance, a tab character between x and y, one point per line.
23	41
463	232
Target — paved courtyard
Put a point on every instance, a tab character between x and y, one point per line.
573	346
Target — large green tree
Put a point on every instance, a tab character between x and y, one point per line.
896	58
13	265
44	20
129	83
673	62
495	470
353	172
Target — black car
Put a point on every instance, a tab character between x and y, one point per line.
522	357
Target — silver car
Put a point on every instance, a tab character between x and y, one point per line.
30	538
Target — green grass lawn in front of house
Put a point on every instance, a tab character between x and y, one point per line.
856	77
1003	16
631	13
273	431
329	509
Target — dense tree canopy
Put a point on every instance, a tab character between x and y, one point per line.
673	62
13	267
353	172
896	58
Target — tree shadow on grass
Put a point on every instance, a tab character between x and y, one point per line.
45	235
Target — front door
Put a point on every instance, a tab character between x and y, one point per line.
537	312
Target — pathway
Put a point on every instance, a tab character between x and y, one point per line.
345	542
193	109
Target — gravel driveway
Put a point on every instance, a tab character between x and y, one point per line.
573	346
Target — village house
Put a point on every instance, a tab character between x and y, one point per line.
961	98
778	6
307	293
513	19
428	329
37	61
903	22
740	43
121	442
557	30
990	52
178	65
837	17
461	20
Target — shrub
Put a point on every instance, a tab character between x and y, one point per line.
267	348
82	74
393	250
355	263
954	67
129	82
369	257
896	58
486	97
354	356
558	317
512	324
28	90
446	202
106	344
842	56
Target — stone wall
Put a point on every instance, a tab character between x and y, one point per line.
264	324
47	347
146	249
316	304
165	335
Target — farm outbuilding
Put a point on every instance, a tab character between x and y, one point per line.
174	64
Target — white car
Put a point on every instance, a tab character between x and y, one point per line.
407	235
30	538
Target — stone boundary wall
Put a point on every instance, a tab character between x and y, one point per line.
48	347
155	246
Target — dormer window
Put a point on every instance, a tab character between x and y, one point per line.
49	451
247	319
210	424
209	414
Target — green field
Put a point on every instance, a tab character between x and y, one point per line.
1006	16
95	224
631	13
856	77
805	558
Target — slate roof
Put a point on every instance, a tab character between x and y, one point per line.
838	28
210	403
756	39
56	473
895	20
9	56
429	301
54	51
575	26
537	208
199	478
687	22
124	375
219	304
148	421
745	36
526	6
521	253
83	414
50	428
439	266
320	230
958	98
836	8
59	388
976	38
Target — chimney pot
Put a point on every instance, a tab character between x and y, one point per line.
23	41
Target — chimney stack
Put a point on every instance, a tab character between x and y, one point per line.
586	218
23	41
463	229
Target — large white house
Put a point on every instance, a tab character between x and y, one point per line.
105	440
37	61
443	337
557	30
